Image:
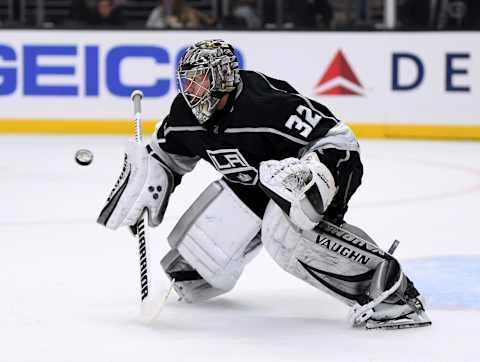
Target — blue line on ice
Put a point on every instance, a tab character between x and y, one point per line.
447	282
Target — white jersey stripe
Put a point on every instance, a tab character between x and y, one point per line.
183	129
238	130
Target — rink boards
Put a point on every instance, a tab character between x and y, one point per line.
402	84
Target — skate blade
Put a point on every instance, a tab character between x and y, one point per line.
397	324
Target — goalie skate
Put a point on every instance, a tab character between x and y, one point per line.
413	320
409	315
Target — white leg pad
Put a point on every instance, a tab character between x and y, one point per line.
337	261
217	236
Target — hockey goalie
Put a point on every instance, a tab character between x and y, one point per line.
289	168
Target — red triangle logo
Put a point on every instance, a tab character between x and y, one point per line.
339	69
339	90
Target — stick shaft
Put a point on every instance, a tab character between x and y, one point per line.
143	245
138	127
137	96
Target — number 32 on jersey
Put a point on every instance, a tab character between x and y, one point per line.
305	121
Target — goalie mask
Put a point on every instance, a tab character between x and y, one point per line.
207	71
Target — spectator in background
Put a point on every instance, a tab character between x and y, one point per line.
98	13
439	14
244	12
175	14
459	15
106	14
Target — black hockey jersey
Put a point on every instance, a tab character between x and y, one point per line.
266	119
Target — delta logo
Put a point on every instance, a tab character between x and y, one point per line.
339	79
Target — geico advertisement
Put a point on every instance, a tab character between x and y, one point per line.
363	77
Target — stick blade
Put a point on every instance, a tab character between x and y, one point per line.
151	306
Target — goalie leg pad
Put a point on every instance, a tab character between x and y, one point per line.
144	184
217	236
347	264
329	257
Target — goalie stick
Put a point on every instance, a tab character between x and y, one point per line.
153	292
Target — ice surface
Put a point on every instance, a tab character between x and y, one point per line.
69	288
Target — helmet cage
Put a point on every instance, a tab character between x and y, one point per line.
196	86
207	71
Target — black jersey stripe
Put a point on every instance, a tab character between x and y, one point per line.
266	130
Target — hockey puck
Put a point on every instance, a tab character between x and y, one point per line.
84	157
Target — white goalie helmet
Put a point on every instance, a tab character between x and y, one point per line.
208	70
